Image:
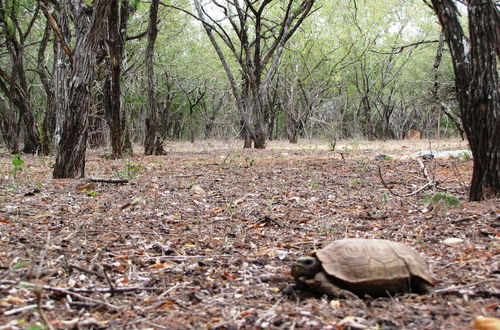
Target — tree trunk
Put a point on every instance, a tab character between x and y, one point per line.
49	120
150	140
116	44
18	91
477	87
8	126
61	72
483	113
70	160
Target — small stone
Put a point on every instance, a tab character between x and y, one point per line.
452	241
198	190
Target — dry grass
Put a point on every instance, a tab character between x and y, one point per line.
353	145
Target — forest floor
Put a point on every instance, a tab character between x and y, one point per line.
204	237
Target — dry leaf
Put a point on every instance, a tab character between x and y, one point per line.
486	323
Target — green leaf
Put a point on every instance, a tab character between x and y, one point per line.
17	161
448	199
19	265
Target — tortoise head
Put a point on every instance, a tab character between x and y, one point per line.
306	267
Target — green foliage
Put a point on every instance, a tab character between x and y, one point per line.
314	184
384	197
17	165
332	144
448	199
465	156
355	183
21	264
325	62
271	202
250	161
327	228
90	193
234	158
37	327
230	210
134	4
130	170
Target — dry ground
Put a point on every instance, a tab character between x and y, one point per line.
204	238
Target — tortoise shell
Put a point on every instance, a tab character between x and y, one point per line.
372	267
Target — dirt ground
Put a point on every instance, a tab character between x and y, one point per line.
205	236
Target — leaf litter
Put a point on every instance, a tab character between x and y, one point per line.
206	240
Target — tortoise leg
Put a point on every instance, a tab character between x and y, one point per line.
323	284
421	287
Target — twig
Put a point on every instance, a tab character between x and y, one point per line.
187	257
115	181
88	271
125	232
462	183
186	175
224	161
428	184
18	310
38	294
424	170
65	291
86	290
111	286
459	287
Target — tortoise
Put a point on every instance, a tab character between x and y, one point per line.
372	267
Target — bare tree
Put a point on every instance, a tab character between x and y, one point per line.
477	86
256	42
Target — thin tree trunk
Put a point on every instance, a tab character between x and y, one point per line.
115	50
61	71
151	120
49	120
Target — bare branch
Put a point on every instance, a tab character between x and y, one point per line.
55	27
398	50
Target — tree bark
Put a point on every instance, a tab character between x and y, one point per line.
115	48
19	93
477	87
483	109
70	160
152	141
49	120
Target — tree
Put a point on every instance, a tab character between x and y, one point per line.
70	159
256	42
477	86
115	45
152	141
15	86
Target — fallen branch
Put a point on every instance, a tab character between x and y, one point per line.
115	181
43	316
429	183
86	270
459	287
67	291
19	310
85	290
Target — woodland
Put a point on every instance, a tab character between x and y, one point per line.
163	163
